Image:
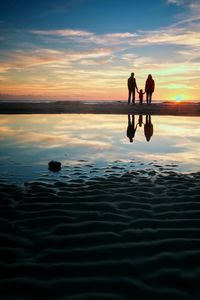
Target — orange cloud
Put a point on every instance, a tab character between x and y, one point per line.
21	59
3	79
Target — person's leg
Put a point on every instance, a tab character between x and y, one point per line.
133	96
129	120
133	121
150	96
147	96
129	96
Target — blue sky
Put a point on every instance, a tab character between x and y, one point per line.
99	16
47	47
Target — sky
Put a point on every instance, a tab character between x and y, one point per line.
86	49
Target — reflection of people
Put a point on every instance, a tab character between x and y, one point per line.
131	129
132	85
148	128
140	120
149	88
141	96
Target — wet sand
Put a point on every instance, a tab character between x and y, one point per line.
131	235
110	107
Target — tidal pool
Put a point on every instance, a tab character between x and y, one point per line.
95	145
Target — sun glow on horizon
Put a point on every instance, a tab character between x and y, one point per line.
179	98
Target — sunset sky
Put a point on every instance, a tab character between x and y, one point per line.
86	49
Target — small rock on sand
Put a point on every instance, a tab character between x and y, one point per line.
54	166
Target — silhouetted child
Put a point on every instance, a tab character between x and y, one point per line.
141	96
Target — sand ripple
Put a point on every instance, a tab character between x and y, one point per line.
132	236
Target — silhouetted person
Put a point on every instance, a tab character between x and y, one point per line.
140	120
131	129
132	85
148	128
141	93
149	88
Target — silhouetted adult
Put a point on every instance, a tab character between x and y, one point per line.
132	85
148	128
149	88
131	129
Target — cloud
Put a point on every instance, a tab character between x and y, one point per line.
190	15
169	36
4	67
93	53
175	86
86	37
3	78
174	34
39	57
20	61
33	57
176	2
121	35
63	33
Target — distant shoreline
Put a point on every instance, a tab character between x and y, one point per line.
188	108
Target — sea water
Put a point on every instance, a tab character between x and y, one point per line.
95	145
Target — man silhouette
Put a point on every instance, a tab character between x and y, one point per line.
132	85
131	129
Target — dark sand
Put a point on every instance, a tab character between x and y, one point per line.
135	235
110	107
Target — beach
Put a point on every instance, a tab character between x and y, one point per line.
101	107
99	150
131	236
120	220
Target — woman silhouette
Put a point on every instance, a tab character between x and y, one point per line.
148	128
149	88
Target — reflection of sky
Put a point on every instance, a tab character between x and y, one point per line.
28	143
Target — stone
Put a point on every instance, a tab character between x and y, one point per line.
54	166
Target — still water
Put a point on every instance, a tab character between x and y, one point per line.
95	145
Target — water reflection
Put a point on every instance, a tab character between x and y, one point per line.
132	127
140	120
148	128
29	142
